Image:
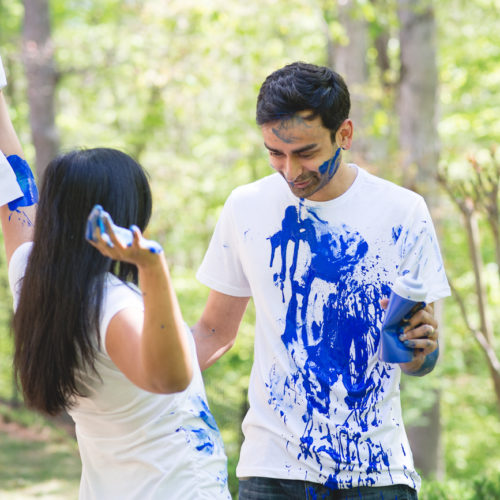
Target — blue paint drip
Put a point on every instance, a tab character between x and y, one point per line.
26	182
334	347
22	216
396	233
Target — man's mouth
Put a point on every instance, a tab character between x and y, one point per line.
301	184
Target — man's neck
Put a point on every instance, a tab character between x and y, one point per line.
338	185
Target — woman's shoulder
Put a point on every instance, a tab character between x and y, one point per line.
17	268
117	295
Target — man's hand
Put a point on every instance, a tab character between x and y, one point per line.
421	335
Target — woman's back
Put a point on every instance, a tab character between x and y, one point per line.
134	443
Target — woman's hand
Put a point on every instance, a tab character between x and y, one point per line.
152	352
118	243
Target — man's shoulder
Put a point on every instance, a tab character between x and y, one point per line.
269	185
380	186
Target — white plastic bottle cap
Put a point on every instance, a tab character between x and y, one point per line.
410	287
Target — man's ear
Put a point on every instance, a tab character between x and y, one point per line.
344	134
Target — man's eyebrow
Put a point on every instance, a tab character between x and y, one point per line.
295	151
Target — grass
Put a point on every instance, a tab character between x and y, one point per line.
38	461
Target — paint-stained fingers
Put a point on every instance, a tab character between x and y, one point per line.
422	346
431	332
110	233
98	237
94	235
423	331
99	234
137	235
430	346
423	316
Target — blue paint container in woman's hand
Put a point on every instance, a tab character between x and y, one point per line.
125	236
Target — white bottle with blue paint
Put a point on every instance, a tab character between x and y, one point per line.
125	236
407	296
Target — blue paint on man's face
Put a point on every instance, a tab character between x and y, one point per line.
329	168
331	333
318	180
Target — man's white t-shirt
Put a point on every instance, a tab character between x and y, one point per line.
323	408
135	444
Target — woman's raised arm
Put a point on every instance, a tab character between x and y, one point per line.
18	193
151	350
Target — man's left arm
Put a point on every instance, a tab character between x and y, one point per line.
421	334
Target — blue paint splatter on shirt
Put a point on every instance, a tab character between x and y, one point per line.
205	436
331	332
396	233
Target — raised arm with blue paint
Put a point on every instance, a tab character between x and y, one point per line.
119	359
18	192
318	245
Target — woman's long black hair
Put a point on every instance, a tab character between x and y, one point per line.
56	323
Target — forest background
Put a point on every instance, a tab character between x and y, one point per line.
174	83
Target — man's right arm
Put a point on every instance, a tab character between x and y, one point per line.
217	328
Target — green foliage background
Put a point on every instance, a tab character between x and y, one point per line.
175	83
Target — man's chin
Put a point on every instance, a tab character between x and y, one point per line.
303	193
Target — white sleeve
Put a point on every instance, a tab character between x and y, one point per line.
421	249
9	187
17	268
117	296
3	78
221	268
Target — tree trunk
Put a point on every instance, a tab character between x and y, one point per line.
350	62
417	96
38	56
420	150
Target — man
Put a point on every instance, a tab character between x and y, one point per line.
317	246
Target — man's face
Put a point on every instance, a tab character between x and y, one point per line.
303	153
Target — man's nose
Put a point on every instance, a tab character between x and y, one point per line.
291	169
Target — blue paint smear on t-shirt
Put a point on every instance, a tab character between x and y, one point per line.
396	233
336	345
205	437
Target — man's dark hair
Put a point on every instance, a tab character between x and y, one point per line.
301	86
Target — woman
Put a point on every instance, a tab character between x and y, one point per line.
122	364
